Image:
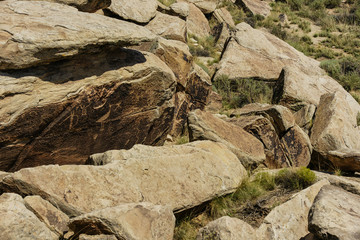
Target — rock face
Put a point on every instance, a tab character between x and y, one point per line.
227	228
45	38
188	175
335	214
180	8
17	222
197	23
141	11
285	143
84	5
206	6
82	107
136	221
205	126
255	7
223	15
290	220
54	219
345	159
349	184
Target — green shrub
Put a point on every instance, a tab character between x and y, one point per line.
266	181
295	180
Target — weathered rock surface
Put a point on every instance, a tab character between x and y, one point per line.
141	11
335	214
35	33
197	23
135	221
227	228
63	112
97	237
17	222
305	116
206	126
349	184
335	129
188	175
255	7
214	103
290	219
206	6
223	15
169	27
180	8
83	5
54	219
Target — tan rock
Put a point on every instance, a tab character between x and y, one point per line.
180	8
17	222
248	149
54	219
227	228
304	117
350	184
335	214
63	112
197	23
222	15
256	7
290	219
206	6
141	11
97	237
214	103
31	37
83	5
345	159
169	27
188	174
128	221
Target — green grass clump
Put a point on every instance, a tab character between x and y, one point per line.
295	180
167	2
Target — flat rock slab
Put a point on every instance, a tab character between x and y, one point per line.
63	112
181	176
39	32
141	11
256	7
346	160
197	23
17	222
136	221
83	5
335	214
350	184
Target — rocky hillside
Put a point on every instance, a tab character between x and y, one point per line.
177	119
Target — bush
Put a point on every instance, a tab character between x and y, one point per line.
295	180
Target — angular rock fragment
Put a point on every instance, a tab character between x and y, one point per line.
140	11
84	5
197	23
180	8
255	7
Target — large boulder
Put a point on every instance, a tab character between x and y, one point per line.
350	184
63	112
84	5
196	22
181	177
39	32
180	8
167	26
227	228
335	214
222	15
206	126
141	11
135	221
255	7
290	219
17	222
206	6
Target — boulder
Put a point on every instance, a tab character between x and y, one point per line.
84	5
222	15
136	221
97	237
255	7
335	214
227	228
214	103
140	11
188	174
223	34
17	222
206	126
350	184
54	219
335	129
196	22
180	8
63	112
169	27
31	37
290	219
305	116
206	6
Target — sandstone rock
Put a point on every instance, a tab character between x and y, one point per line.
227	228
169	27
214	103
304	117
42	32
141	11
345	159
84	5
17	222
335	214
223	15
349	184
128	221
63	112
54	219
205	126
188	175
206	6
223	34
255	7
197	23
180	8
335	128
290	219
97	237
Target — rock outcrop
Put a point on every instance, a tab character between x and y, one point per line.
335	214
136	221
206	126
84	5
188	175
197	23
255	7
